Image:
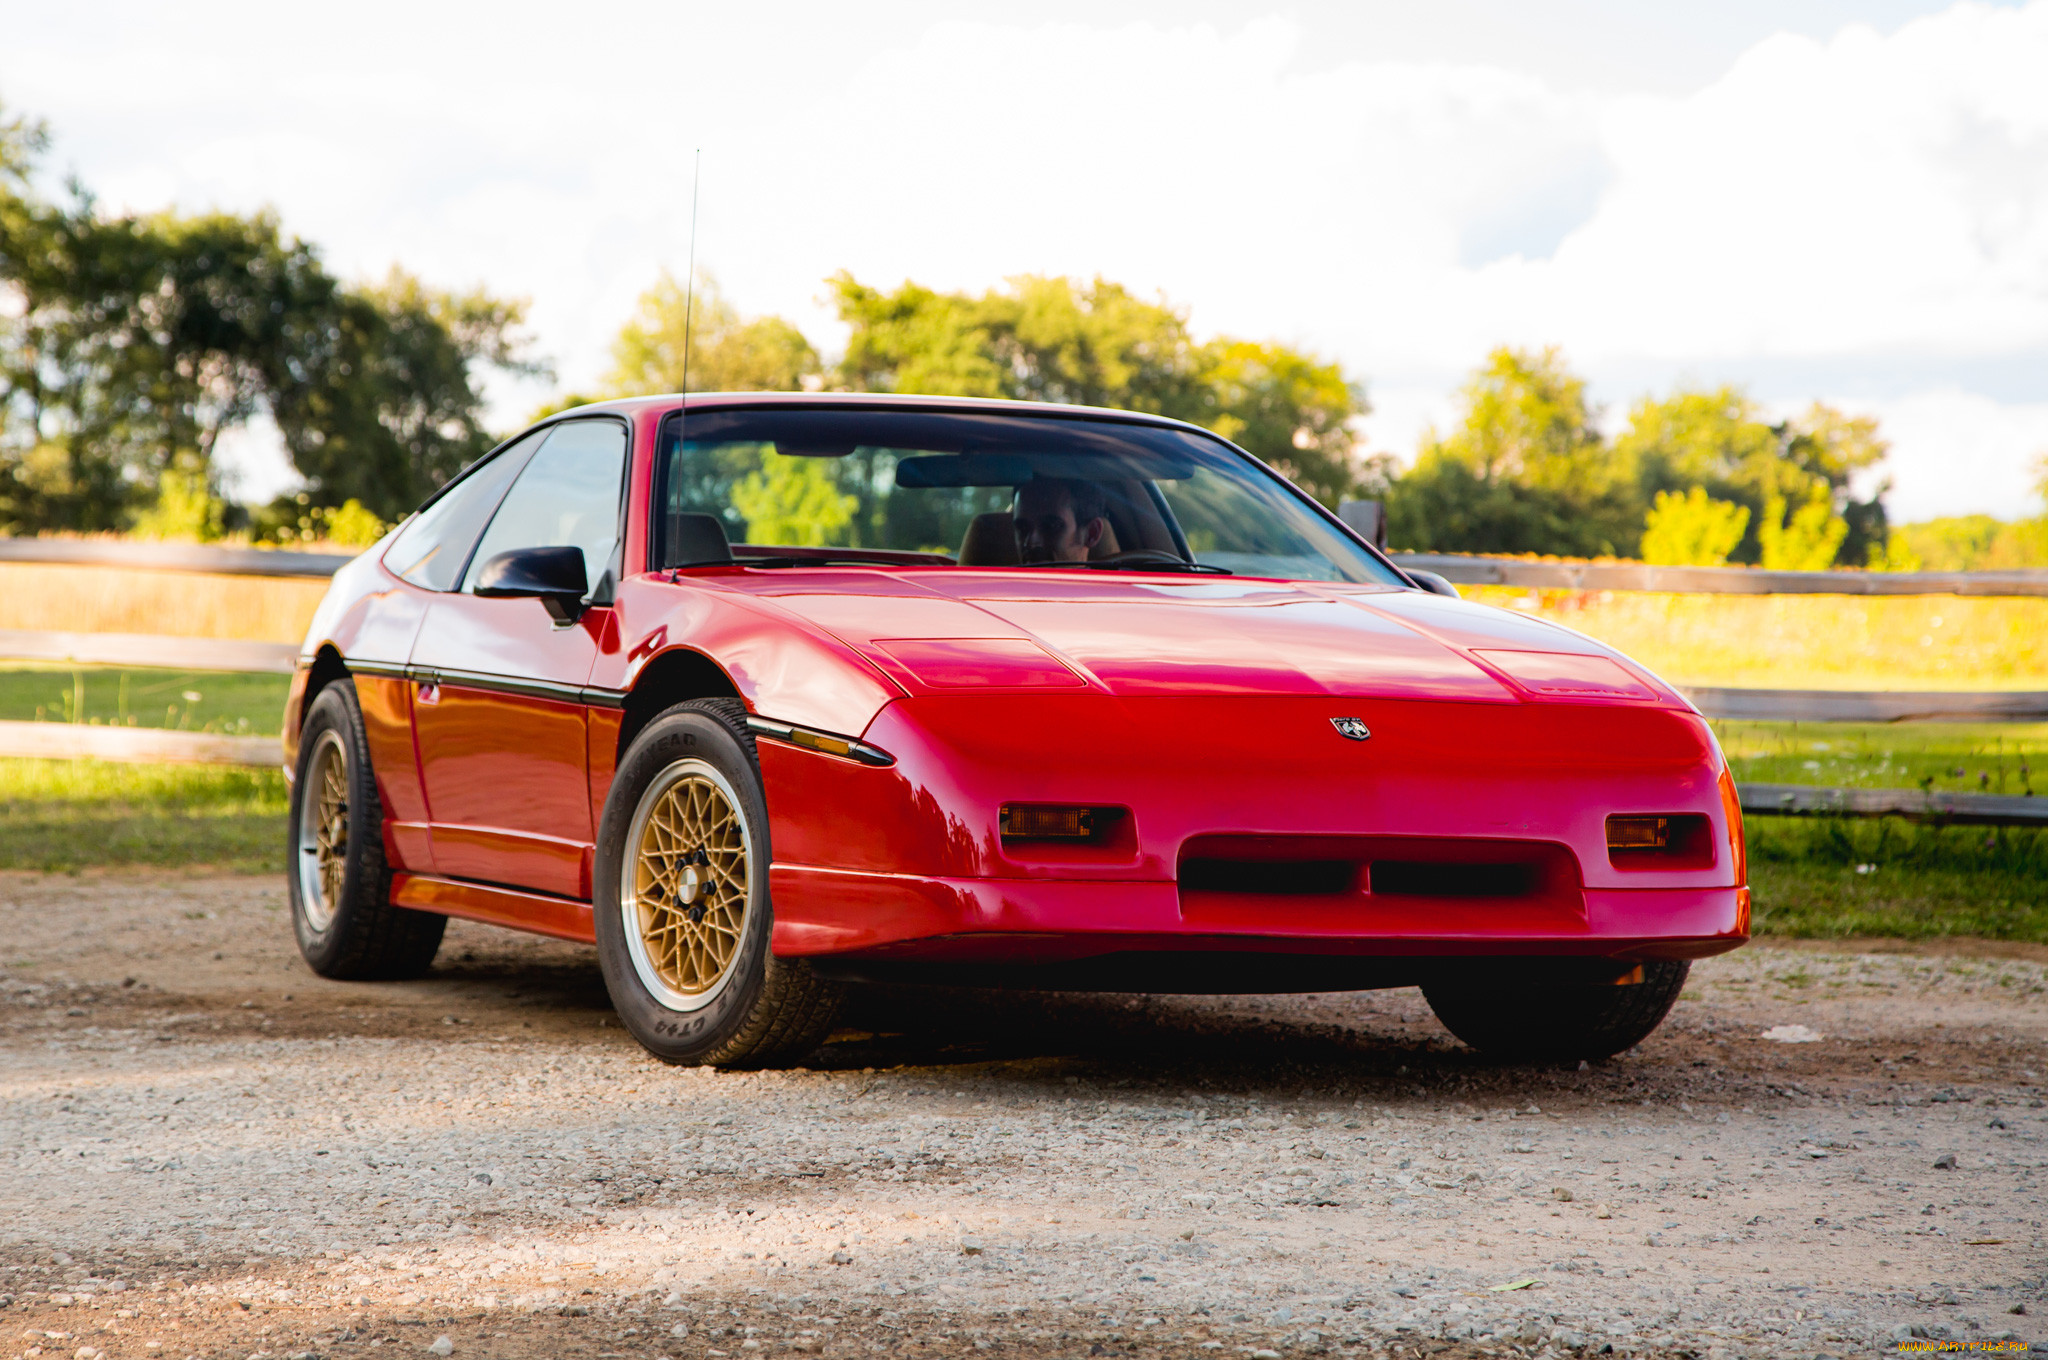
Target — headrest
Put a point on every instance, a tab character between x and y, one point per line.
696	541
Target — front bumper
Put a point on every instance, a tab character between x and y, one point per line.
888	920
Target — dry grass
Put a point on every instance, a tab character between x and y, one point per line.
177	603
1807	641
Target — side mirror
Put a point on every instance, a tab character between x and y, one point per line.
1431	582
554	576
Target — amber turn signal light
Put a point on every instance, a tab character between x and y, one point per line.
1638	833
1678	840
1044	822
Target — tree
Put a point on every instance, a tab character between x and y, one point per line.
1525	469
1292	410
1806	539
129	344
134	343
793	500
1692	530
1719	439
1096	344
727	353
386	406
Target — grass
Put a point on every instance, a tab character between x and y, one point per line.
1807	641
58	815
1830	877
2009	758
187	701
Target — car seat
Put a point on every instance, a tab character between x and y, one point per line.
991	541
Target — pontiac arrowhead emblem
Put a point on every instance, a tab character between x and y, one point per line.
1351	727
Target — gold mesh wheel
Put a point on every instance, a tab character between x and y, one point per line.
687	885
323	832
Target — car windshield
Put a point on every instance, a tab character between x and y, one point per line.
794	485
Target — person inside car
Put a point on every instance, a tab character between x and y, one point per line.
1059	520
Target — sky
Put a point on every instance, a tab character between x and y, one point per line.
1816	199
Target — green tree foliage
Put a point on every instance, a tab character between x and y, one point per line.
1692	529
388	407
1720	440
1802	537
1096	344
727	353
793	501
130	343
1527	470
1524	470
23	140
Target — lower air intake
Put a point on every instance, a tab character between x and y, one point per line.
1420	878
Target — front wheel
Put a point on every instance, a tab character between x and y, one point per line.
1560	1020
340	884
681	906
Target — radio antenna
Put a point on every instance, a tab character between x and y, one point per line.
690	285
689	310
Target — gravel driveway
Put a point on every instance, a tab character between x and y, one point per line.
206	1151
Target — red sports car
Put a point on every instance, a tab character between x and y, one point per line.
771	695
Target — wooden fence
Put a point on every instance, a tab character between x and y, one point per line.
128	649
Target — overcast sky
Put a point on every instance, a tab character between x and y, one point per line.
1817	199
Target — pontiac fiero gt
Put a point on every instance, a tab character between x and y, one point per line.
768	696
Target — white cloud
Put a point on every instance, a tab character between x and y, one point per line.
1871	199
1957	453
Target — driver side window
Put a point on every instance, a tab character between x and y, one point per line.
431	550
568	496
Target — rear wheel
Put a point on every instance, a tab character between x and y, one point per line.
340	884
683	915
1567	1020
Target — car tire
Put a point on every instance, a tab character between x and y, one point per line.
1572	1020
681	901
340	883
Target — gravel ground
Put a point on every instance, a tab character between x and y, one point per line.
206	1151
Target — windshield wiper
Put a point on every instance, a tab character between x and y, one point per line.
812	562
1151	564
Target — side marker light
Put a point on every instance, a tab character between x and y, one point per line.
1043	822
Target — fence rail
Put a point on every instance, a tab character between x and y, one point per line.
1513	571
134	745
113	552
148	649
1971	809
1869	706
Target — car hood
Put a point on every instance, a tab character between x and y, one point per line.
1143	636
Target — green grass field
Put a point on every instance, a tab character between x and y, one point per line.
189	701
2010	758
1829	877
60	815
1837	876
